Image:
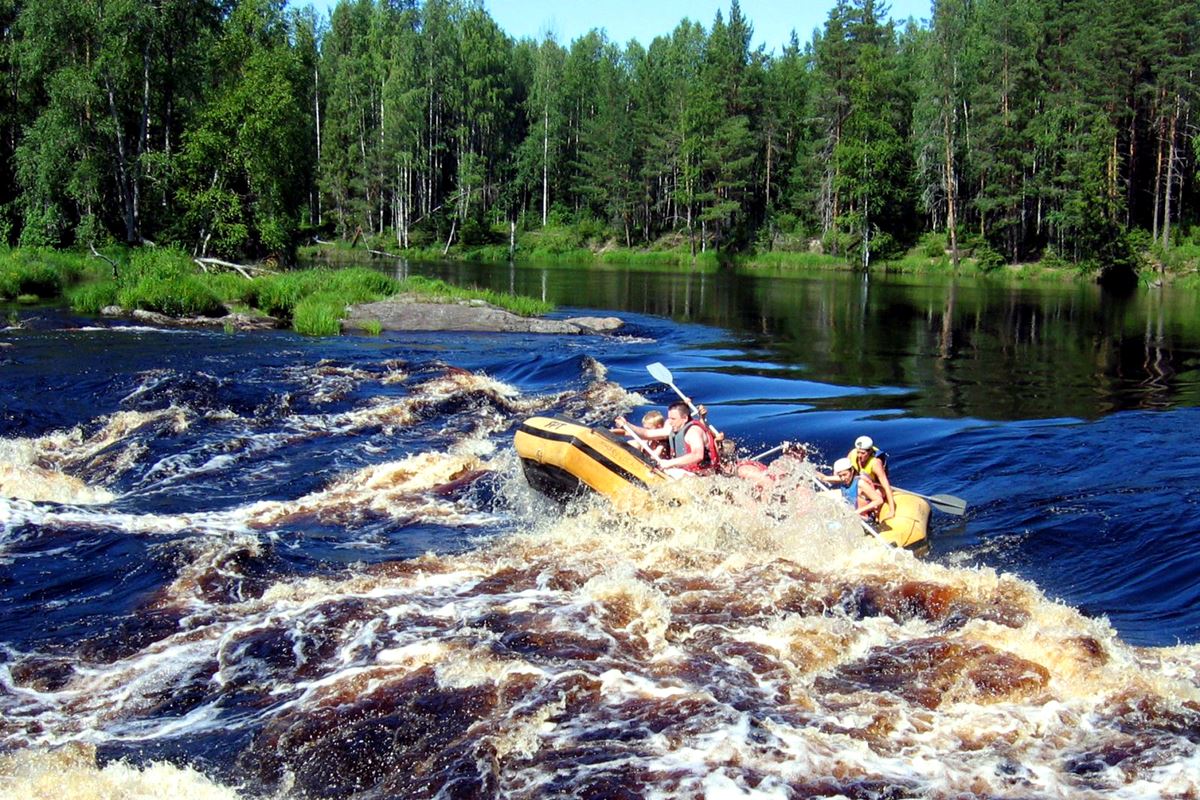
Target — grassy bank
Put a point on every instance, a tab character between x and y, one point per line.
587	246
168	282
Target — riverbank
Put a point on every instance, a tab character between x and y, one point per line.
169	285
565	247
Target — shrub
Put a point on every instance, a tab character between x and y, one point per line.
933	244
91	298
165	281
988	260
319	314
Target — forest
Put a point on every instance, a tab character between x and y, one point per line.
1017	130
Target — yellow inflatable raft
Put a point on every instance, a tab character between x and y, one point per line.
908	527
561	456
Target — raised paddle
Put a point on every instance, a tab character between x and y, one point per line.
663	375
780	446
942	502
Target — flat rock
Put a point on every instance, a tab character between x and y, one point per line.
236	321
399	314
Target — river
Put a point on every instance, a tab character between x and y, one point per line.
263	565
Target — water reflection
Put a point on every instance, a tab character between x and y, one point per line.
988	349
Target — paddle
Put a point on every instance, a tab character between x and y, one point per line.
766	453
642	443
943	502
820	485
781	446
663	375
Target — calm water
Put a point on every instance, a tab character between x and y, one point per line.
312	568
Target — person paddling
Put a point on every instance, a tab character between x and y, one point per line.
869	462
861	494
653	420
691	447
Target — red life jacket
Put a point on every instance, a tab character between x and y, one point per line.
712	454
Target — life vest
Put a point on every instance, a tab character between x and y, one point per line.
712	455
865	469
850	492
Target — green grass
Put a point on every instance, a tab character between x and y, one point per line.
790	259
372	327
166	282
440	291
90	298
319	314
43	274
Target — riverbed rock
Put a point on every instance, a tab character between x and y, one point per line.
402	314
232	320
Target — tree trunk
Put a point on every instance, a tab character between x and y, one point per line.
1170	182
317	113
951	221
545	163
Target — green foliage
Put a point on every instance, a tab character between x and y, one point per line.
987	260
280	295
1032	125
165	281
934	244
38	272
784	260
372	327
319	314
90	298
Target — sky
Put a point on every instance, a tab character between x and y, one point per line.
773	20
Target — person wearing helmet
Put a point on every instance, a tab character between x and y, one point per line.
861	494
869	462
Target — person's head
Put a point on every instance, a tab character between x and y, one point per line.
678	415
843	469
652	419
863	445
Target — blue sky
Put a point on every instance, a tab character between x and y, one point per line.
773	20
567	20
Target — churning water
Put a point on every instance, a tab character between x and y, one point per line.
258	565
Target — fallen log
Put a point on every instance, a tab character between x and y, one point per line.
243	269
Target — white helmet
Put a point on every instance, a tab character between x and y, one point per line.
841	465
863	443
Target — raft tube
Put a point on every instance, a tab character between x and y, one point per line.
908	527
560	457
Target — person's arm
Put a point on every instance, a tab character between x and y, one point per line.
880	472
873	499
645	433
695	450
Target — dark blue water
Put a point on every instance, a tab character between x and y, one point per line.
234	463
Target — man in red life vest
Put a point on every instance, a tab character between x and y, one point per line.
691	447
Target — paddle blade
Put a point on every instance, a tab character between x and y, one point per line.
659	373
949	504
